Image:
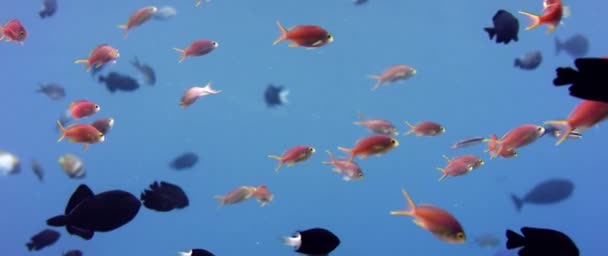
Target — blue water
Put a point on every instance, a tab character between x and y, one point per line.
464	81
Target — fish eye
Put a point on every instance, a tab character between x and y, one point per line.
360	174
21	32
214	43
329	36
460	235
311	149
101	135
393	141
96	106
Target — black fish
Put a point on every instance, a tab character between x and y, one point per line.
590	82
49	7
506	27
146	71
275	95
529	61
360	2
541	242
164	197
547	192
53	91
73	253
315	241
115	81
87	212
43	239
576	46
196	252
184	161
37	169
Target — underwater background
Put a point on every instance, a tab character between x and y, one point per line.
464	81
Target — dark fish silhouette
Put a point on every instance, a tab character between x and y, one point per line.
541	242
196	252
118	82
164	197
146	71
49	8
576	46
37	170
547	192
73	253
43	239
87	213
315	241
506	27
590	82
529	61
184	161
360	2
52	90
275	95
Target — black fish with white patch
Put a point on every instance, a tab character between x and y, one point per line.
315	241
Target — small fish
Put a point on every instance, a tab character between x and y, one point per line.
393	74
584	116
506	27
576	46
426	128
184	161
83	108
146	71
13	30
314	241
455	168
487	240
72	166
138	18
37	170
49	8
165	13
9	163
492	146
52	90
529	61
235	196
275	95
552	16
81	133
192	94
308	36
119	82
263	195
72	253
43	239
371	145
103	125
293	156
378	126
541	242
360	2
196	252
197	48
471	160
547	192
468	142
164	197
99	56
516	138
554	130
349	170
590	82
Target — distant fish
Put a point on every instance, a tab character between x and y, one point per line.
165	13
43	239
164	197
547	192
555	131
529	61
360	2
52	90
37	170
9	163
576	46
506	27
487	240
196	252
49	8
314	241
236	196
72	166
72	253
393	74
184	161
138	18
146	71
118	82
468	142
275	95
197	48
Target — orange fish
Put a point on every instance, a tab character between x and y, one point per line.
263	195
378	126
371	145
553	12
197	48
138	18
393	74
192	94
83	108
425	129
235	196
304	36
437	221
81	133
99	56
516	138
585	115
13	30
293	156
349	170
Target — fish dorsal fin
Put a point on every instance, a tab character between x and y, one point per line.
82	193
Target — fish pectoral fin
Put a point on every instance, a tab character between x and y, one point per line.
293	44
419	223
290	164
317	43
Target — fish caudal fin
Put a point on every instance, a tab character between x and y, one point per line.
443	176
362	119
565	76
331	157
85	61
280	162
491	32
514	240
563	133
378	83
125	28
410	202
57	221
517	202
283	36
348	150
411	128
62	129
534	18
1	33
221	198
182	52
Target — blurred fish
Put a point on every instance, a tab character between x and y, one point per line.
293	156
52	90
590	82
371	145
576	46
426	128
308	36
348	170
72	253
263	195
547	192
38	171
99	56
275	95
517	137
314	241
468	142
9	163
236	196
378	126
197	48
556	132
49	8
552	15
184	161
72	166
83	108
360	2
146	71
87	213
165	13
541	242
103	125
487	240
164	197
393	74
118	82
584	116
196	252
195	92
138	18
529	61
506	27
43	239
13	31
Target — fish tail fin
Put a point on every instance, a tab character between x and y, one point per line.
283	35
57	221
491	32
411	128
331	157
558	46
362	119
30	245
85	61
348	150
280	162
221	198
410	203
184	253
514	240
1	33
182	52
378	83
125	28
447	158
518	202
565	76
62	129
563	133
534	18
444	175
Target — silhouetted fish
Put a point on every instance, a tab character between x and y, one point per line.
118	82
506	27
576	46
87	213
52	90
541	242
529	61
275	95
146	71
196	252
315	241
43	239
360	2
164	197
73	253
49	7
590	82
184	161
38	171
547	192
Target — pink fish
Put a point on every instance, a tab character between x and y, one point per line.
585	115
263	195
425	129
192	94
293	156
393	74
349	170
516	138
138	18
378	126
197	48
235	196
